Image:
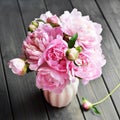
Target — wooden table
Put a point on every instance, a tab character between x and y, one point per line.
19	97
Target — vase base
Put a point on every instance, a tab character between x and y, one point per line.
64	98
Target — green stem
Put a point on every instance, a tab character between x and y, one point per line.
106	97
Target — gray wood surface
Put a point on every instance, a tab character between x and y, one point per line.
19	97
26	99
5	108
111	12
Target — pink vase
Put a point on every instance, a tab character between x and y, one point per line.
64	98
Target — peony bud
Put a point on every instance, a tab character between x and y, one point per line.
72	54
18	66
33	26
54	21
86	105
35	23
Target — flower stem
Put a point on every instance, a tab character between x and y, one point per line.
106	97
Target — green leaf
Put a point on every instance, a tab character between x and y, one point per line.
71	42
95	110
40	20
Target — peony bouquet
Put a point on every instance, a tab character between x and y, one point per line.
61	49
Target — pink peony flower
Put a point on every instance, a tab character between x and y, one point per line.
90	65
44	17
18	66
88	31
51	80
36	43
54	54
60	49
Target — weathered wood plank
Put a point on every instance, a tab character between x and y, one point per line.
111	51
58	7
111	11
5	109
26	99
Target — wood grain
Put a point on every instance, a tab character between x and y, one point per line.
26	99
19	97
111	11
5	108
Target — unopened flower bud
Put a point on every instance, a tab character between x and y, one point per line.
72	54
54	20
86	105
33	26
18	66
35	23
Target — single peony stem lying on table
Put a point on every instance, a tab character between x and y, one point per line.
92	106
